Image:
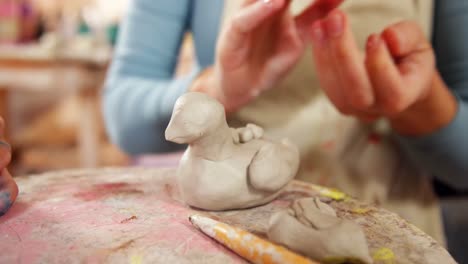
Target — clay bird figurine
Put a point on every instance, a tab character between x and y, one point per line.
225	168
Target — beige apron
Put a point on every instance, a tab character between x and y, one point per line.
339	151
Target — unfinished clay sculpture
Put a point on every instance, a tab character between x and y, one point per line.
225	168
312	228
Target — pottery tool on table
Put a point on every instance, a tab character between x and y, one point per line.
245	244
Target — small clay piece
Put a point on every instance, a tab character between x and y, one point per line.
312	228
225	168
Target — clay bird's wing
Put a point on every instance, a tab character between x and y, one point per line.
273	166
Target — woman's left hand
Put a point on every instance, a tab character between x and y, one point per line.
396	78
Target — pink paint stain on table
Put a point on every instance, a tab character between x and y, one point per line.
103	216
134	215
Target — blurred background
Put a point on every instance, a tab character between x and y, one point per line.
53	58
54	55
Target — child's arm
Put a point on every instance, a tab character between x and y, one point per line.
141	89
444	153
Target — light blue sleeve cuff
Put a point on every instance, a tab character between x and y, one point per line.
137	111
443	153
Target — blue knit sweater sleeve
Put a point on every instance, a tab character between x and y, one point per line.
140	89
445	153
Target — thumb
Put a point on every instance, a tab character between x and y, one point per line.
412	53
409	46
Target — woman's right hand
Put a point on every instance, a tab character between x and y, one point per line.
257	48
8	187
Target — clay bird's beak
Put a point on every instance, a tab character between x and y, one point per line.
173	134
177	133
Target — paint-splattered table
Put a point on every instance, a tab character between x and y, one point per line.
133	215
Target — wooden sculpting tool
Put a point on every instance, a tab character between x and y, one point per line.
245	244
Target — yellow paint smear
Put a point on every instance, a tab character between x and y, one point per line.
136	259
330	193
385	255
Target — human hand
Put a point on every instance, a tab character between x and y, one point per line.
396	78
257	48
8	187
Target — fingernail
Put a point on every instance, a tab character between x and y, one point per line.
4	144
5	202
270	3
317	32
334	24
255	93
373	42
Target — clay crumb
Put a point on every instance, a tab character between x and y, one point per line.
133	217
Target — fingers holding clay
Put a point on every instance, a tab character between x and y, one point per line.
311	228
